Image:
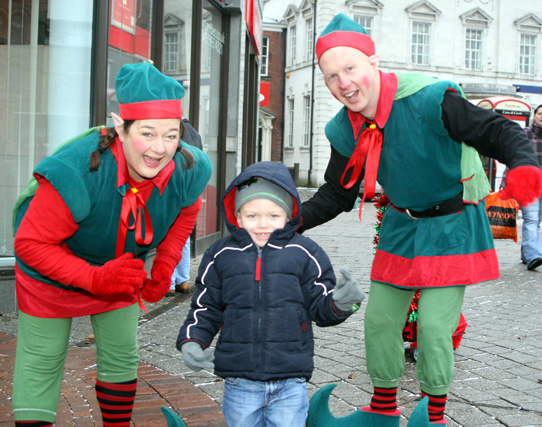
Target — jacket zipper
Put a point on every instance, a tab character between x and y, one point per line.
259	332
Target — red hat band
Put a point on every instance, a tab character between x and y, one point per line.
352	39
157	109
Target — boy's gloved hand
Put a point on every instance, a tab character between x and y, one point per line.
348	293
155	288
196	358
119	276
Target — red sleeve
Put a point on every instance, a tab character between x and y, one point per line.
170	249
39	241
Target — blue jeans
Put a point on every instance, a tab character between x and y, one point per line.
531	246
181	273
270	403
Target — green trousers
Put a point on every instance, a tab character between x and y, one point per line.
42	345
439	310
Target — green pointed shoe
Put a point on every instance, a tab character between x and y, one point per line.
173	420
420	416
320	416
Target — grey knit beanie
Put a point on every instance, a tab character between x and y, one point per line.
260	188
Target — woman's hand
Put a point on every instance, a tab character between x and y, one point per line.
155	288
119	276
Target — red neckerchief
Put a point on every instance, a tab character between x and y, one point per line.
133	202
369	140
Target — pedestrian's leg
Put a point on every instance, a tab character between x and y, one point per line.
385	319
117	360
42	345
531	246
439	310
287	403
243	402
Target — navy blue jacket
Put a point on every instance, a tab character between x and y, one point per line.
264	308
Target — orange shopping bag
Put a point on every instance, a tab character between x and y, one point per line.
502	216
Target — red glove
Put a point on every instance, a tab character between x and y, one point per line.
154	289
524	184
122	275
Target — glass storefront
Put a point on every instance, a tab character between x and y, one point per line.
58	64
45	63
211	70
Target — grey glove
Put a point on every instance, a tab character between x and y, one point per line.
196	358
348	293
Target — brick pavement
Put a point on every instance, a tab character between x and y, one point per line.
78	405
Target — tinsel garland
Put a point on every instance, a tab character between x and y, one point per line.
381	203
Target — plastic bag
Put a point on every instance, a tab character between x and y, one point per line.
502	216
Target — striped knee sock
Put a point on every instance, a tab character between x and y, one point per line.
33	424
116	402
436	406
384	399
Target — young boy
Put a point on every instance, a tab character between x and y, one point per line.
262	287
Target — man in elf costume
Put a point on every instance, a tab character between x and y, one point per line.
421	138
84	227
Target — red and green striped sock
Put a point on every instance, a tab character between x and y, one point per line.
384	399
436	406
116	402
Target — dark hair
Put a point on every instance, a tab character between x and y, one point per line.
109	137
536	109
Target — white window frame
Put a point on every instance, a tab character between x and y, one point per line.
473	49
291	106
421	43
171	48
264	68
306	120
527	54
310	35
293	44
365	21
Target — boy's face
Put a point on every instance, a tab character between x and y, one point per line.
352	78
260	217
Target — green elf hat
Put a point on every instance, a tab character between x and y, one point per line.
342	31
145	93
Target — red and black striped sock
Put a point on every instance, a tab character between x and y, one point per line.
384	399
116	402
436	406
33	424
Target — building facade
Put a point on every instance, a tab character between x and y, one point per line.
59	60
490	47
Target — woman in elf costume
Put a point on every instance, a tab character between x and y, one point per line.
421	138
84	227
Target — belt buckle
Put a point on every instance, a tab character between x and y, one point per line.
410	215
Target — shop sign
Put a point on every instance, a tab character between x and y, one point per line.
264	94
254	23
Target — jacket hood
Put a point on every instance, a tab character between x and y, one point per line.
272	171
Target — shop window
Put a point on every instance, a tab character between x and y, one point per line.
44	90
177	43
